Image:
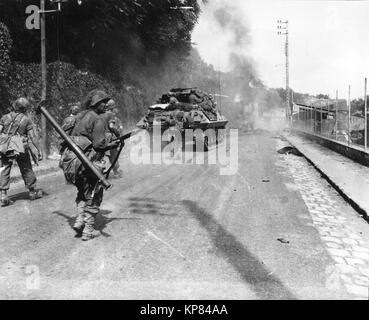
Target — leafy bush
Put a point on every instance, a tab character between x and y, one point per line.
5	47
68	85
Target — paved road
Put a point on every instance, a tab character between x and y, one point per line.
187	232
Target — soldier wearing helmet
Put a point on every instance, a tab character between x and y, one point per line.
89	134
114	128
194	97
70	121
18	127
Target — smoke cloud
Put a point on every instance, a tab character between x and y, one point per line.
229	18
229	51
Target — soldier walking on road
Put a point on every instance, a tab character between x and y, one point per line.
90	136
17	133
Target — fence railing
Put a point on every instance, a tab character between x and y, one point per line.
333	119
332	123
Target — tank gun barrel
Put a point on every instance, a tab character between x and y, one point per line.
219	95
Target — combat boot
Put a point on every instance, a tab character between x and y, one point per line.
35	194
89	231
79	223
4	198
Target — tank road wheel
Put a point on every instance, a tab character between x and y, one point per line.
206	144
150	143
184	141
218	137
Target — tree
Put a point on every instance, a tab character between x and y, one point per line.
322	96
5	48
5	63
103	34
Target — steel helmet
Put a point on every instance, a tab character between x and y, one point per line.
21	104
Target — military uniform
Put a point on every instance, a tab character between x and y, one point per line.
114	128
68	123
89	134
194	98
22	125
117	126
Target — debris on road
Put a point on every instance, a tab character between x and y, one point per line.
167	244
283	240
290	150
279	137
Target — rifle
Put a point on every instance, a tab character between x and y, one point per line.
121	140
127	135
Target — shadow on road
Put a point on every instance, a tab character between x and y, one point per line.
148	206
101	220
265	285
24	196
150	200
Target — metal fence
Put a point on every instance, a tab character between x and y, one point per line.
331	122
333	119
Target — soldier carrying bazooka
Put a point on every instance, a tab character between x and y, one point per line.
82	159
90	136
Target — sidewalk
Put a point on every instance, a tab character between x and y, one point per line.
351	178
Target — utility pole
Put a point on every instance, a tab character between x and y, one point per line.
365	116
42	12
349	113
336	116
43	78
283	25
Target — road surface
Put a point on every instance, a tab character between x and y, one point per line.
269	231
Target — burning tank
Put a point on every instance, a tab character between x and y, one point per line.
187	108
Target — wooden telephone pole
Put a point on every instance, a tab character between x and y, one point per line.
42	12
283	25
44	140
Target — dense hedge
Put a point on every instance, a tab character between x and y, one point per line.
5	47
68	85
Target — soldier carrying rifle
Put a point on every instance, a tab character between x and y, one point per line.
114	128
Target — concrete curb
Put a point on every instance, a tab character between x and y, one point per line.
352	151
349	198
